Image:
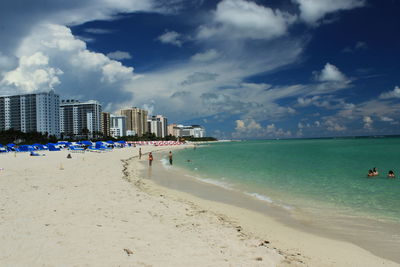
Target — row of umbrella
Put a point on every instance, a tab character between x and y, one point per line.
62	145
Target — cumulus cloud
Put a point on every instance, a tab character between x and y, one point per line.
249	128
52	58
367	120
391	94
246	19
119	55
330	73
171	37
312	11
206	56
33	73
334	126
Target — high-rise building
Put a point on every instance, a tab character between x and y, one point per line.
80	118
136	120
158	125
117	126
31	113
105	123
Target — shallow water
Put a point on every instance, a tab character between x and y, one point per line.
306	175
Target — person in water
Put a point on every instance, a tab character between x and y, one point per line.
375	171
150	158
391	174
370	173
170	158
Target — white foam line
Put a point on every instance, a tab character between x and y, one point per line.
212	181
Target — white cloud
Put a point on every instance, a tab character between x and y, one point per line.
330	73
312	11
333	126
367	120
248	125
246	19
119	55
249	128
51	57
391	94
171	37
386	119
206	56
33	73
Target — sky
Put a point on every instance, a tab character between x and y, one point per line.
243	69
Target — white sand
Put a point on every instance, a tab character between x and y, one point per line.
83	212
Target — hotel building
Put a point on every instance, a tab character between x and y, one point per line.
80	118
136	120
158	125
31	113
179	130
117	126
105	123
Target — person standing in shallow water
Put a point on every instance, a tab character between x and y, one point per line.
150	158
170	158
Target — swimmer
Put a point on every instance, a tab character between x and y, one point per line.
375	171
391	174
370	173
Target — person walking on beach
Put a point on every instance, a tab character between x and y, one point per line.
140	152
170	158
150	159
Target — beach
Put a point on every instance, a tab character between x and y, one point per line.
101	209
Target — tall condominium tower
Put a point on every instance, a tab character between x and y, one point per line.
136	120
105	123
80	118
158	125
31	113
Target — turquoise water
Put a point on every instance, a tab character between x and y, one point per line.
306	174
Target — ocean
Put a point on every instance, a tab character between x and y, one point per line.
307	176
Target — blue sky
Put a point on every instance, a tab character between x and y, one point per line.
243	69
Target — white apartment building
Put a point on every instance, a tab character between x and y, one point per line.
158	125
80	118
117	126
37	112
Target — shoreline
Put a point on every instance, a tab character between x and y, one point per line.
98	209
279	215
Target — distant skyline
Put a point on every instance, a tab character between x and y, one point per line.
243	69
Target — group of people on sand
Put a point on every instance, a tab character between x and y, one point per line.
374	172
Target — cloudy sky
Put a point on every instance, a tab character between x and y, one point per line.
243	69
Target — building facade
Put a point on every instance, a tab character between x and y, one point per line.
117	126
105	123
136	120
158	125
80	118
179	130
31	113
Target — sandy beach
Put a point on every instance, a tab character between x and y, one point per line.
98	209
